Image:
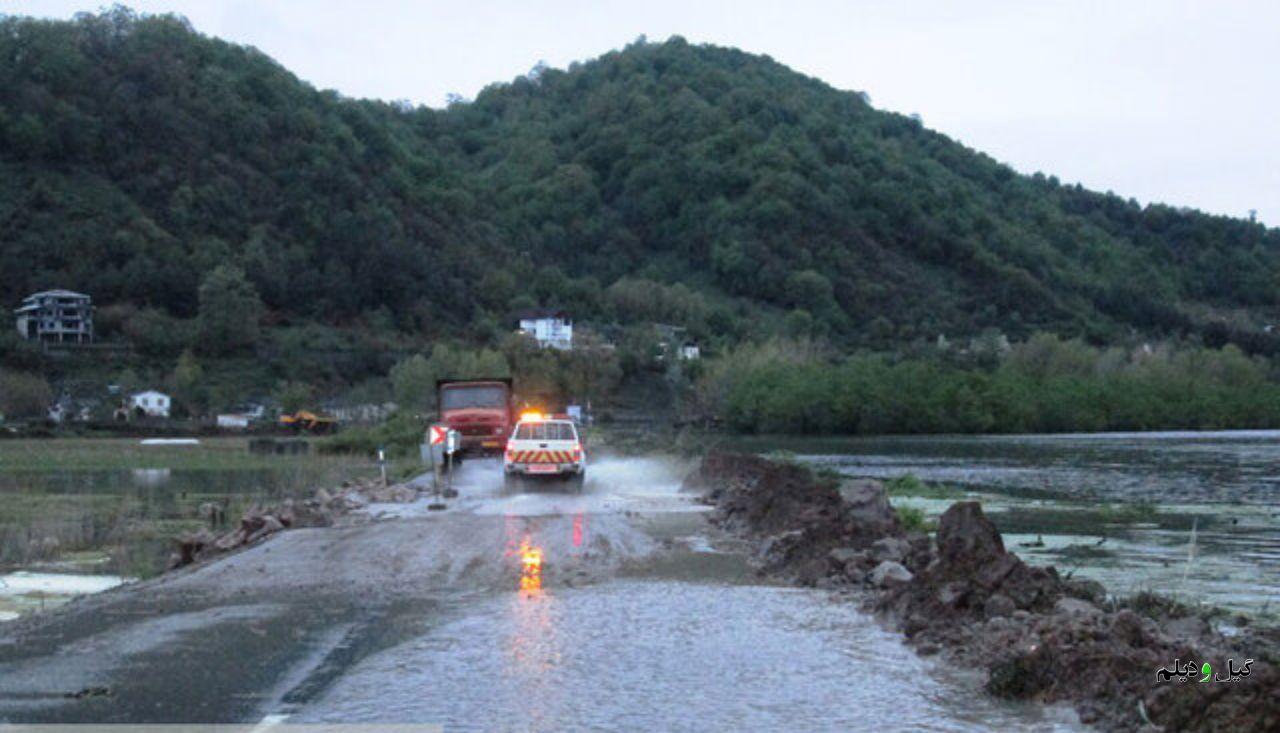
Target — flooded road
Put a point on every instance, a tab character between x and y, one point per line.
616	609
664	656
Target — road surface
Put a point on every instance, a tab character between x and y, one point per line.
619	609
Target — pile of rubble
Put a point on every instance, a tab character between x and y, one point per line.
962	594
324	508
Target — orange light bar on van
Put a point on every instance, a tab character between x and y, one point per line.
531	416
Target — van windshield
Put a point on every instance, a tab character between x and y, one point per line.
546	431
460	398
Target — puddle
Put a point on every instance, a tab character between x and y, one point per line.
25	591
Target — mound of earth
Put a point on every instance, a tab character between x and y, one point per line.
962	594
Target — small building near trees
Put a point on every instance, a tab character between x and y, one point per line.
150	403
550	328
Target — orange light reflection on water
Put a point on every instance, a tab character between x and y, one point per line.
530	567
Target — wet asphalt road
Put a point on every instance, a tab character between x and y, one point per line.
639	616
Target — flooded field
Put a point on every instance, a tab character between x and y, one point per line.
1229	467
81	512
1196	515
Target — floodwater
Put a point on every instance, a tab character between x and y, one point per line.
1195	515
653	655
1227	467
614	610
108	508
618	609
678	635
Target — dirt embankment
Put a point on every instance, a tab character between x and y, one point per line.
325	508
962	594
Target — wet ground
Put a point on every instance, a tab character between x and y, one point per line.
110	506
618	609
1194	515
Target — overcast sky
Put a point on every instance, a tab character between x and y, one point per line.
1173	101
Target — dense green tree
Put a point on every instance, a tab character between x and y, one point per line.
23	395
187	380
1042	385
229	312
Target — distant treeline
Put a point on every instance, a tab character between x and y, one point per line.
1043	385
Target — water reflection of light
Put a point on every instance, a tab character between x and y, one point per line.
577	529
149	477
534	645
530	568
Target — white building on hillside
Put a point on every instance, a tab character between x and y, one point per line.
56	315
551	328
150	403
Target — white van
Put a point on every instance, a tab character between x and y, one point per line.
542	447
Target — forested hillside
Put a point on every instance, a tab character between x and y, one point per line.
669	182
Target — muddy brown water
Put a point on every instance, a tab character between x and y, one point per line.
641	617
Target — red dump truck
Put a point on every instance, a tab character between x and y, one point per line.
481	410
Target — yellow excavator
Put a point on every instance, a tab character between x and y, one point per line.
305	421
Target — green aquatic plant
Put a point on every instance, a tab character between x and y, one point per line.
913	519
910	485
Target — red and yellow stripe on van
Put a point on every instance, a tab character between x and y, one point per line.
541	456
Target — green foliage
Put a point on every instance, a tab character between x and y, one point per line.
913	519
693	185
413	380
17	352
157	334
229	312
910	485
294	396
188	383
400	436
23	395
1043	385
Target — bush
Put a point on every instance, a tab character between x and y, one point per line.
400	436
913	520
1043	385
23	395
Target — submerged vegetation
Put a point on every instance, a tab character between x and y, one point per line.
125	503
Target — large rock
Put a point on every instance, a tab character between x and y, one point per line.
889	574
270	524
972	566
891	548
867	503
1075	607
966	537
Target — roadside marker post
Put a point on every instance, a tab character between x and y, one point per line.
438	436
